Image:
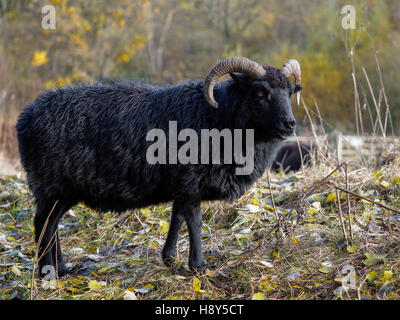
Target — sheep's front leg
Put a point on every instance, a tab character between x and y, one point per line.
169	250
189	209
193	221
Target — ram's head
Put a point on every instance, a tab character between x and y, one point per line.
267	91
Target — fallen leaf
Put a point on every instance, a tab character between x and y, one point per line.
384	184
352	248
196	284
327	267
129	295
269	208
386	276
376	174
146	212
331	197
15	270
164	226
266	264
293	275
267	286
311	210
258	296
94	285
371	275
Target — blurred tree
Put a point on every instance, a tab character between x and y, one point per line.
171	40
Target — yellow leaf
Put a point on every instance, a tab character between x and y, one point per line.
371	275
275	254
148	286
396	181
196	284
269	208
385	184
387	276
75	282
255	202
39	58
94	285
295	240
351	249
164	226
258	296
60	284
376	174
298	287
331	197
325	269
267	286
372	255
146	212
311	210
369	261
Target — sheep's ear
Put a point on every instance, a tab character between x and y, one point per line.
240	78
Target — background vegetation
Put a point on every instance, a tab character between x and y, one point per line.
167	41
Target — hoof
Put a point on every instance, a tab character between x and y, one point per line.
168	257
197	266
63	271
48	272
169	261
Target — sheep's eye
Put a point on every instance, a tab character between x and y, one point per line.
260	94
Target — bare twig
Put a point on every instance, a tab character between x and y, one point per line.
278	221
376	105
341	217
348	202
369	200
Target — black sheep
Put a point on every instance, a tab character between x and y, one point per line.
289	157
88	144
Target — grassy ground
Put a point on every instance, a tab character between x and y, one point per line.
250	254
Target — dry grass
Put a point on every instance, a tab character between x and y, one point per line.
245	254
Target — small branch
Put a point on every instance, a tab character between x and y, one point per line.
348	202
341	217
369	200
278	221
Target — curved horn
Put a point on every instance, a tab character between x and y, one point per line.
236	64
293	67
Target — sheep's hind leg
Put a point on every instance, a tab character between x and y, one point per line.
169	250
50	259
58	257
